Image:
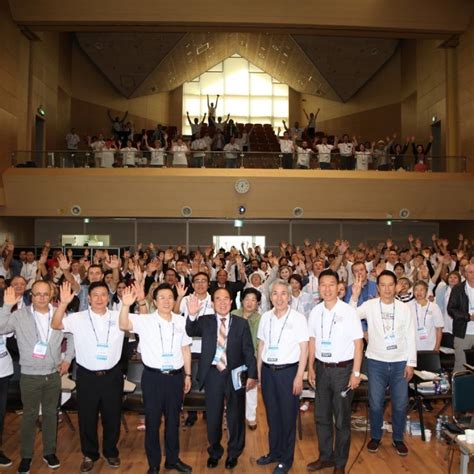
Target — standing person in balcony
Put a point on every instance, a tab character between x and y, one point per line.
287	148
295	132
117	124
232	150
380	153
362	157
324	153
420	153
196	126
199	147
304	156
311	127
129	155
211	111
157	152
346	152
180	150
398	154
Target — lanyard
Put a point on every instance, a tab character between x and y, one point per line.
281	332
38	329
426	312
393	318
322	325
93	328
161	337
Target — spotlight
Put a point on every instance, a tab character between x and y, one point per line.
242	209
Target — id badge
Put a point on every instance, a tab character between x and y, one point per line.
167	362
390	342
218	355
422	333
272	354
102	351
3	348
39	351
326	348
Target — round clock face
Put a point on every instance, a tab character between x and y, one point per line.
242	186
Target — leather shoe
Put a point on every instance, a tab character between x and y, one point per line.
113	461
190	420
319	464
153	470
252	426
267	459
179	466
212	462
281	469
87	465
230	463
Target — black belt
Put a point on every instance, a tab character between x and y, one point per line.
164	372
280	367
99	373
332	365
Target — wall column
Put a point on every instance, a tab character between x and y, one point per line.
452	115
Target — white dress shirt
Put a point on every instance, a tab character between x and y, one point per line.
338	327
90	329
286	333
159	336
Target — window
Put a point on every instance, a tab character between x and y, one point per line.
246	92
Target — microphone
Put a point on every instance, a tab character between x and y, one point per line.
345	392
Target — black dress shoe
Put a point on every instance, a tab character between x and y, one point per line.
190	420
212	462
180	466
153	470
230	463
267	459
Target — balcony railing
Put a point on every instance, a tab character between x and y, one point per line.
218	159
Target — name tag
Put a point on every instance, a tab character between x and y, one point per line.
390	342
422	333
218	355
167	361
272	354
101	352
3	348
326	348
39	351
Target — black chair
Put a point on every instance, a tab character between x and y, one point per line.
71	405
194	400
463	398
469	358
133	402
428	361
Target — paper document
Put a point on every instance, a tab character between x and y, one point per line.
237	376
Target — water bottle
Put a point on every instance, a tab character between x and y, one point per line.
408	425
437	386
439	427
444	383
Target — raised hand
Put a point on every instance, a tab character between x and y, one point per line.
9	297
113	262
139	289
63	262
181	289
65	293
138	274
357	288
129	295
194	305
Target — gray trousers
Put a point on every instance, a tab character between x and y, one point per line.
460	345
39	390
332	413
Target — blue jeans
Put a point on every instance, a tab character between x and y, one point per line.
381	375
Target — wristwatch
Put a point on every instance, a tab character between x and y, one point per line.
356	374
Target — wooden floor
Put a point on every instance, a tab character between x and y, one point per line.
423	457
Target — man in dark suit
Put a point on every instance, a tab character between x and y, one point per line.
222	281
226	345
461	309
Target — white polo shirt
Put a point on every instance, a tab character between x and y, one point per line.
90	330
427	319
158	337
285	333
334	331
312	287
302	303
383	320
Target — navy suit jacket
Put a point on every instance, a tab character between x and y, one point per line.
239	348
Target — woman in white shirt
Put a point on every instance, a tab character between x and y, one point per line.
129	155
428	319
363	157
300	301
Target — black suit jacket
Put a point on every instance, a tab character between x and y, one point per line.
239	348
458	309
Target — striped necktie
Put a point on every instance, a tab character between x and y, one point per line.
221	342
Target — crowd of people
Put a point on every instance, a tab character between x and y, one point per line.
249	316
222	142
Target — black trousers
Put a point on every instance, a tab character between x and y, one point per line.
282	410
287	161
99	394
219	387
333	411
347	162
162	395
3	404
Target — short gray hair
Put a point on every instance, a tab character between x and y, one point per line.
280	282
